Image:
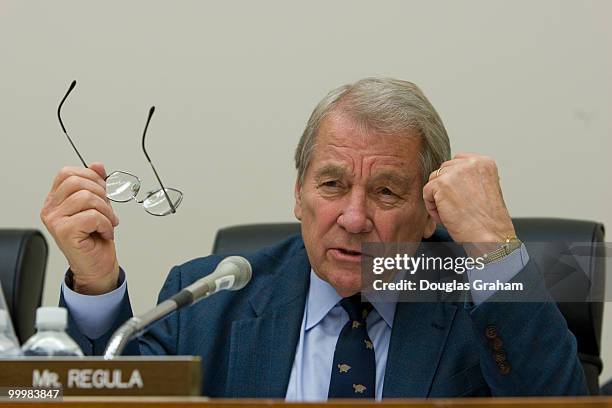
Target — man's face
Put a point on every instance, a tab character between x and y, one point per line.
359	187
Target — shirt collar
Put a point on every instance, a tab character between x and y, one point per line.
322	297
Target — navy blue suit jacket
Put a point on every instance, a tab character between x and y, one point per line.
247	339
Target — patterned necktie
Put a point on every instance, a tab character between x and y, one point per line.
354	368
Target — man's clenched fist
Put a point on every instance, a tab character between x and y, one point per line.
81	220
465	196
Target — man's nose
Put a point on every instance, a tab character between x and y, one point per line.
354	217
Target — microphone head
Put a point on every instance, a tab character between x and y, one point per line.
241	270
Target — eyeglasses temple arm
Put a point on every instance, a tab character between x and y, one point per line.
59	116
144	134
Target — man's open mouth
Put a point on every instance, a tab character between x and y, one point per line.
348	251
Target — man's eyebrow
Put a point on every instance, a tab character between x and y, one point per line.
394	178
330	170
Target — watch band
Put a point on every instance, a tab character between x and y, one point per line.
511	245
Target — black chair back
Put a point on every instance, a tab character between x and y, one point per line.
23	260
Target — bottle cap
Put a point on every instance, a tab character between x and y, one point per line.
4	320
53	318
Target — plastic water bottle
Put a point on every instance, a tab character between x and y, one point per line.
9	348
51	338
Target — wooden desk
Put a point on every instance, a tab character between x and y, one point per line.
188	402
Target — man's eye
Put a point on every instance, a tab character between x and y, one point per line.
386	192
330	184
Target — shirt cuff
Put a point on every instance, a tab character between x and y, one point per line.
501	271
94	315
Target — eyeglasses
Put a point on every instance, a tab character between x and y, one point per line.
122	187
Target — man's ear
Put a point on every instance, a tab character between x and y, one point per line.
430	227
297	209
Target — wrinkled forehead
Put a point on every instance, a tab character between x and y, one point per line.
342	141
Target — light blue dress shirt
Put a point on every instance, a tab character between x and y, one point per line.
94	315
321	325
324	319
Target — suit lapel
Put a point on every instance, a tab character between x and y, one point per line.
419	333
262	348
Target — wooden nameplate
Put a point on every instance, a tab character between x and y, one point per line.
168	376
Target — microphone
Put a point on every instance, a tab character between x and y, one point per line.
232	273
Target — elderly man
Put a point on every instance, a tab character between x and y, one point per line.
373	166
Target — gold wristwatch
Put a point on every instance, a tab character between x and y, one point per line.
512	244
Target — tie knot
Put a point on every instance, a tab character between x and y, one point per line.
356	309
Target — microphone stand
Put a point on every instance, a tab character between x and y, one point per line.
232	273
135	326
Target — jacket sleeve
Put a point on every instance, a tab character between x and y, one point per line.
525	346
160	339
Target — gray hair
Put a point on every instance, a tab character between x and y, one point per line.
386	105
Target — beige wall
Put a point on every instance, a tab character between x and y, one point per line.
523	81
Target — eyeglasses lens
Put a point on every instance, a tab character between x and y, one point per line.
157	204
122	186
